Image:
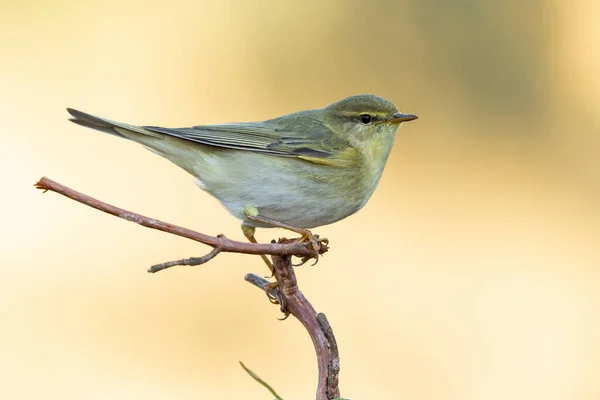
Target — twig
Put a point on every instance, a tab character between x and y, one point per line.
224	244
193	261
285	292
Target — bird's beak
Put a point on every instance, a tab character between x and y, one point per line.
399	118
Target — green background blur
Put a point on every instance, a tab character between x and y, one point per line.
473	272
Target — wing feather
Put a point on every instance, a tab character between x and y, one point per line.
266	137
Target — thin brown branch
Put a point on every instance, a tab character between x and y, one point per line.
224	244
193	261
294	302
285	292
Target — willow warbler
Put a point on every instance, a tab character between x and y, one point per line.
298	171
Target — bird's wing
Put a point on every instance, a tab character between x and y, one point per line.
265	137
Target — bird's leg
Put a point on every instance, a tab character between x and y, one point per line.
249	233
251	213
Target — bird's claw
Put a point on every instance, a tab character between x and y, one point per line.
272	291
315	243
303	261
275	297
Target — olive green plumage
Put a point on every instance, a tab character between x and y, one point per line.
304	169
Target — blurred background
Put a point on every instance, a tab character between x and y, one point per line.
473	272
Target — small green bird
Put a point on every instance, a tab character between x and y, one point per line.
298	171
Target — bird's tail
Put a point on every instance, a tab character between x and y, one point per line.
132	132
177	150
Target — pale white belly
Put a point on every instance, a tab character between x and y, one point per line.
288	190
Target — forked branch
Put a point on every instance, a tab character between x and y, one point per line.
285	293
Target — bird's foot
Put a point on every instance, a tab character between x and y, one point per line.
270	289
251	213
315	243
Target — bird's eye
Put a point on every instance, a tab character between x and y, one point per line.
366	119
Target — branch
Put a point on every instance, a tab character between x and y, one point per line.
293	302
284	292
333	367
219	242
193	261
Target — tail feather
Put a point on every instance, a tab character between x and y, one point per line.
177	150
103	128
108	126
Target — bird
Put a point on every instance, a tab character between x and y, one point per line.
298	171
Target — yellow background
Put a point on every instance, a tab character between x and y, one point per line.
473	272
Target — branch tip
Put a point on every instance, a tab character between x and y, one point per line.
41	185
193	261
